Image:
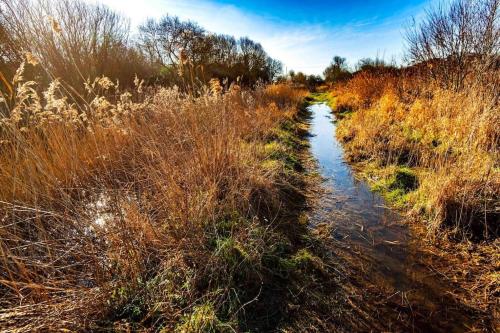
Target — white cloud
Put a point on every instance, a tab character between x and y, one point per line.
302	47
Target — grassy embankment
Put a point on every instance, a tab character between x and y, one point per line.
153	210
434	153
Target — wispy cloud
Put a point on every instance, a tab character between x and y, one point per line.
306	47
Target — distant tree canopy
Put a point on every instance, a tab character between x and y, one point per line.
337	70
185	46
301	79
75	41
375	65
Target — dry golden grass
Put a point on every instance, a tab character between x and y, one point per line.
360	91
449	141
452	136
107	207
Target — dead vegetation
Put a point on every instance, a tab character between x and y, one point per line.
436	121
448	138
151	202
139	209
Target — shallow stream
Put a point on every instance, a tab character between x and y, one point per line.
391	272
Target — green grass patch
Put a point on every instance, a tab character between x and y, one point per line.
284	145
324	97
397	184
231	251
306	260
279	153
203	319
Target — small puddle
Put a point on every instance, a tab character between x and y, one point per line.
379	247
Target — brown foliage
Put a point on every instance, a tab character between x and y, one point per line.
101	198
451	134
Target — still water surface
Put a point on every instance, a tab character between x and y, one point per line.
380	247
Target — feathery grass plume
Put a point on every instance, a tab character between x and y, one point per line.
56	27
215	87
18	76
108	212
31	59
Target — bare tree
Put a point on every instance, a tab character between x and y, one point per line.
186	48
169	40
337	70
73	40
457	40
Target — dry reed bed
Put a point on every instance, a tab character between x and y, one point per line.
453	135
133	205
436	152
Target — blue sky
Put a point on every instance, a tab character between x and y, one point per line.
304	35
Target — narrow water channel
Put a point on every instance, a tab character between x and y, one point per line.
389	268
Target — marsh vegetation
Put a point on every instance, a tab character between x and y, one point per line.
160	177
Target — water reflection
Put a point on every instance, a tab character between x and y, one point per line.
375	237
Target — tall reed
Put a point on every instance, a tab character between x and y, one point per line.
108	206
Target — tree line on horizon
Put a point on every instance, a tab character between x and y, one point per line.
453	42
76	41
337	71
